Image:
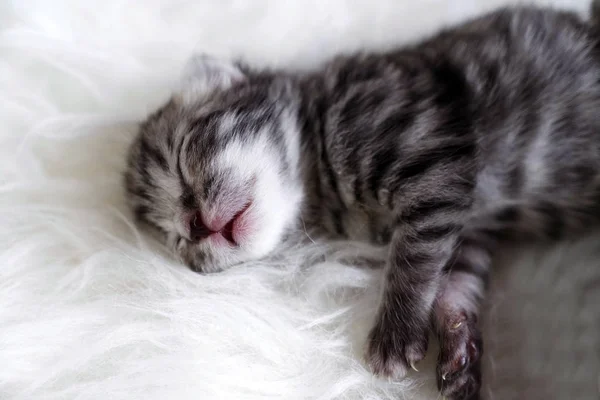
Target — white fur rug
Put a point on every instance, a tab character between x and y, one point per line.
92	309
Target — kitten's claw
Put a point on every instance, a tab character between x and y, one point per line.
391	351
457	325
412	365
459	365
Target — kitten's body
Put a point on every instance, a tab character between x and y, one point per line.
487	130
506	105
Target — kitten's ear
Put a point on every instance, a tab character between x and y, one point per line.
203	75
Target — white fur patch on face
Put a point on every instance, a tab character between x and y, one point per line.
275	203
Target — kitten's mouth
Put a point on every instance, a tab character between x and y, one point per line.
236	226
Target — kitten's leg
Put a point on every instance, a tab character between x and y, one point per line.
455	317
421	246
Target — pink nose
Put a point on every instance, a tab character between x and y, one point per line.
200	230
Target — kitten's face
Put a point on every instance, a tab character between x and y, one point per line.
215	170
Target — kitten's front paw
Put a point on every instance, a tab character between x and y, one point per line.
394	347
459	365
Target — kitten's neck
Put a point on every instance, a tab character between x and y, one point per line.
312	111
312	119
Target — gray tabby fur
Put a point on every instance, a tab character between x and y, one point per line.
487	131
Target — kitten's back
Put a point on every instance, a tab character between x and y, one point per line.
509	101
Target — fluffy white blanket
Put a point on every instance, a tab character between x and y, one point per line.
92	309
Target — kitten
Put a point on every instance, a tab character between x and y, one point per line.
483	132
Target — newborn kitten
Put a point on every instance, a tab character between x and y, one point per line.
483	132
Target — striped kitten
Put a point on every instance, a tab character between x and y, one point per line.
484	132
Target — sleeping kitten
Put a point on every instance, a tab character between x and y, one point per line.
481	133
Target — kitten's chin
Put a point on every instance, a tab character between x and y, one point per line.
256	232
258	243
216	253
268	221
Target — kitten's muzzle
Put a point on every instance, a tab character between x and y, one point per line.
200	230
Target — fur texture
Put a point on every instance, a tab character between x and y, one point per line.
486	131
91	309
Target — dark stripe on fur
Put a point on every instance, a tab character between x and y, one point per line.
434	233
554	224
427	208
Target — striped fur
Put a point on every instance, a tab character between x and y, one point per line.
484	132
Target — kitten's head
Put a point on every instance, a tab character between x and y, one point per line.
215	170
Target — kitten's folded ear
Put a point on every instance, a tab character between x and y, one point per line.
204	74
